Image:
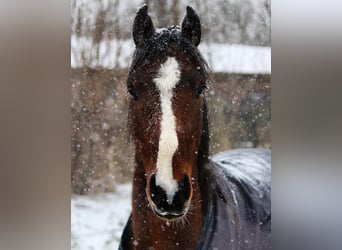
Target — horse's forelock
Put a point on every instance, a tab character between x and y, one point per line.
161	43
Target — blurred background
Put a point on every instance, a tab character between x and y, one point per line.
35	125
236	43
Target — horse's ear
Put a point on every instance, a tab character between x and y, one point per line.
191	26
142	26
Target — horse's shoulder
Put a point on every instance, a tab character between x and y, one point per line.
246	172
248	167
239	188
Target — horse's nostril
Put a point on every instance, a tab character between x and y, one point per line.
184	186
183	193
158	195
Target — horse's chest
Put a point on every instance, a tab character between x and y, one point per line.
174	235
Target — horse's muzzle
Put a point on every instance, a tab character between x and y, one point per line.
166	209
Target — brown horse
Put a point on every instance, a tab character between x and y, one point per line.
182	199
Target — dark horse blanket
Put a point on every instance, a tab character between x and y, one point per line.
236	187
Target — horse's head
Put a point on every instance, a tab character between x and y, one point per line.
167	110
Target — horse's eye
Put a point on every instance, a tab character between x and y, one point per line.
200	89
133	93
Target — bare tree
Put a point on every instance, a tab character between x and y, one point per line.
175	11
263	27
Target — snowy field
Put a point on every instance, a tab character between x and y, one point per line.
97	220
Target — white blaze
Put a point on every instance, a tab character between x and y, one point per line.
167	78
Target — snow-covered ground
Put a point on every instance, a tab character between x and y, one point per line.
229	58
97	220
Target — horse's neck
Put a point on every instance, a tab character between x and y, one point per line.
151	231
